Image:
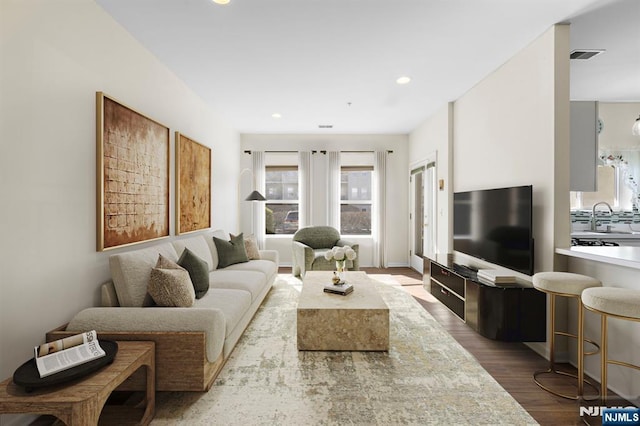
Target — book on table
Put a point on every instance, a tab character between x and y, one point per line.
342	289
66	353
496	277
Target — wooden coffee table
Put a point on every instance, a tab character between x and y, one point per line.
80	402
331	322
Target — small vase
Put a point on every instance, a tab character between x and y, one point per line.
340	269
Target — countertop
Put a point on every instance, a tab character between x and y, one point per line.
613	235
622	255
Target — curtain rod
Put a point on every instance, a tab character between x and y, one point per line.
313	152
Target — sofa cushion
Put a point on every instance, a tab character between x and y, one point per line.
208	237
198	245
230	252
170	285
198	271
131	271
234	304
251	281
267	267
251	247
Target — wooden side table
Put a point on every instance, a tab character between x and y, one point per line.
81	402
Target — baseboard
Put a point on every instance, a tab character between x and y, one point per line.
542	349
539	347
398	265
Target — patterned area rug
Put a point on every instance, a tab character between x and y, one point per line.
425	378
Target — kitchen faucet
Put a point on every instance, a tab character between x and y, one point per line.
594	224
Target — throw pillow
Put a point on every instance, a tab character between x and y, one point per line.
251	247
231	252
198	270
170	285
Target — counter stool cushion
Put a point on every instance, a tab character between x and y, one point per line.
615	301
564	282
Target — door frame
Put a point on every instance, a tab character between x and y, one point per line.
416	262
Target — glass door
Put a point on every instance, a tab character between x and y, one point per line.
416	218
422	216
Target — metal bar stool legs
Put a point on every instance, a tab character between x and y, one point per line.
564	284
581	353
617	303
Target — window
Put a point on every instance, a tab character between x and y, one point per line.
355	200
281	213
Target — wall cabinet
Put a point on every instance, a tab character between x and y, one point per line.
513	314
584	146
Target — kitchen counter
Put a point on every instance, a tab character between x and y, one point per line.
613	235
623	256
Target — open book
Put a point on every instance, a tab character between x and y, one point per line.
66	353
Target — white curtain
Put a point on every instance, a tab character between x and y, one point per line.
379	228
333	190
258	206
304	191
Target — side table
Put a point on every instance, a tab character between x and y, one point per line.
81	402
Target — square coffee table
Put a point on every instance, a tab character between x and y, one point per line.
331	322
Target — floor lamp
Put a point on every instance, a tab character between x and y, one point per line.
254	196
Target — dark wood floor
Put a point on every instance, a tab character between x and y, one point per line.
510	364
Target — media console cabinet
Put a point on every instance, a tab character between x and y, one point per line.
512	314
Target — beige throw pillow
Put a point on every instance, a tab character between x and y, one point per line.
170	285
251	247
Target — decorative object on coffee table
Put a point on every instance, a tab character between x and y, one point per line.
340	255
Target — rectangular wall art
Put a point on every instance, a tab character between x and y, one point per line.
193	185
132	155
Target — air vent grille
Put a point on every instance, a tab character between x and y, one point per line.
325	126
585	54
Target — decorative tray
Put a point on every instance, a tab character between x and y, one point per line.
27	374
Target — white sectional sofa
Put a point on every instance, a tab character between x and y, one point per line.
191	343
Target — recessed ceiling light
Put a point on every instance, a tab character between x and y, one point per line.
403	80
276	115
221	1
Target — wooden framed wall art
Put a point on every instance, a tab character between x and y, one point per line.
132	153
193	185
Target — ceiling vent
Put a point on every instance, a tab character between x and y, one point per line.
585	54
325	126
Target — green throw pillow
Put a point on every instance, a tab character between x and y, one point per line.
198	271
231	252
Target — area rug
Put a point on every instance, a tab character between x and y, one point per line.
425	378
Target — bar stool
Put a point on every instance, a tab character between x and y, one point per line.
565	284
621	303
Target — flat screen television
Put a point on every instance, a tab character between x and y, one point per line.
495	225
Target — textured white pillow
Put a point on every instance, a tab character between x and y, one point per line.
170	285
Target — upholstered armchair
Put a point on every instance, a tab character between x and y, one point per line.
310	245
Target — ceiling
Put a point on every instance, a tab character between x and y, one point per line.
335	62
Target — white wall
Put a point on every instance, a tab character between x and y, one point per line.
512	129
55	56
434	138
397	186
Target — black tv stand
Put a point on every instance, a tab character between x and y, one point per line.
513	314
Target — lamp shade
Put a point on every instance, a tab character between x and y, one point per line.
255	196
